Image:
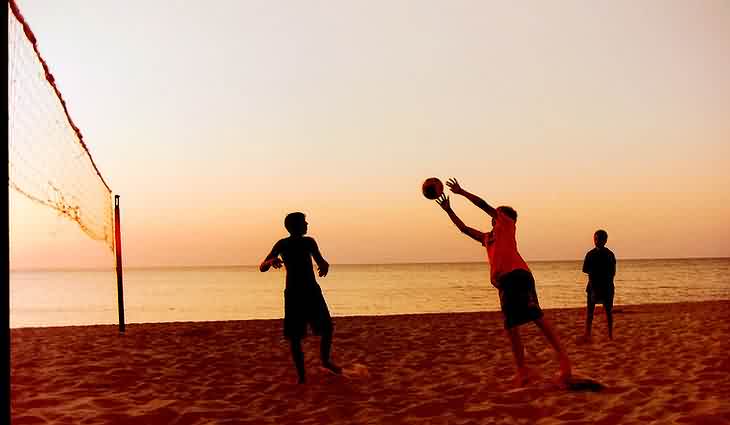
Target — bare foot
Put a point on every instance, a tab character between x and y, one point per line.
561	381
523	377
332	368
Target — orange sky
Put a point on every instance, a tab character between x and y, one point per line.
215	120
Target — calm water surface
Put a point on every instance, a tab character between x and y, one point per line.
56	298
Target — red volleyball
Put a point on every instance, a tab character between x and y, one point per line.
432	188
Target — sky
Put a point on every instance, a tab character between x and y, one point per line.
213	120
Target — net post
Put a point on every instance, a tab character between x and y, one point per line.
118	252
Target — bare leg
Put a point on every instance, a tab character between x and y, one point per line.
552	336
518	350
589	321
609	319
325	346
298	356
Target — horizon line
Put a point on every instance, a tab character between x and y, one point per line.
228	266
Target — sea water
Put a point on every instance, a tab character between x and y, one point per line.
86	297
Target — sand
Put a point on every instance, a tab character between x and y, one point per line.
667	364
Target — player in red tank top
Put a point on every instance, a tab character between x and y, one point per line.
510	274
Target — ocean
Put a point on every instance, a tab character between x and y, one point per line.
83	297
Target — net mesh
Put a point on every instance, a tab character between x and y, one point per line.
48	161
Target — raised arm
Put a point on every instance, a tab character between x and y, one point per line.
272	260
453	184
323	266
475	234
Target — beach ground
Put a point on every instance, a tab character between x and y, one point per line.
667	364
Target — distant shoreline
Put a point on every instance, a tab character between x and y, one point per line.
619	309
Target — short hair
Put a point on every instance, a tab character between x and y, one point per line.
293	221
509	212
601	235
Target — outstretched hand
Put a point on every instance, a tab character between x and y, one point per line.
323	269
454	185
276	263
444	202
269	263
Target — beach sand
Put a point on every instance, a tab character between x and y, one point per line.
668	363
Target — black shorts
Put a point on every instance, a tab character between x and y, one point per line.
305	307
600	295
518	298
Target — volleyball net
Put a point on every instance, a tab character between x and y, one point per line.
48	160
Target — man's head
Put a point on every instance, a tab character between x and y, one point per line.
296	224
600	238
508	211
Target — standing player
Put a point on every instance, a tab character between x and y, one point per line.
303	301
600	266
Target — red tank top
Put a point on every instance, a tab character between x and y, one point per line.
501	244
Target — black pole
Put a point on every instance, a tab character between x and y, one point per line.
118	251
5	327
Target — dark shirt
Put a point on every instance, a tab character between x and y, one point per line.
600	265
297	252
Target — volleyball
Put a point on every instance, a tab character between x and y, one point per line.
432	188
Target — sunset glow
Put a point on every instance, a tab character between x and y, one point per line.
215	120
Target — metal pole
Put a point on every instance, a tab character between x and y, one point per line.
5	329
118	250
